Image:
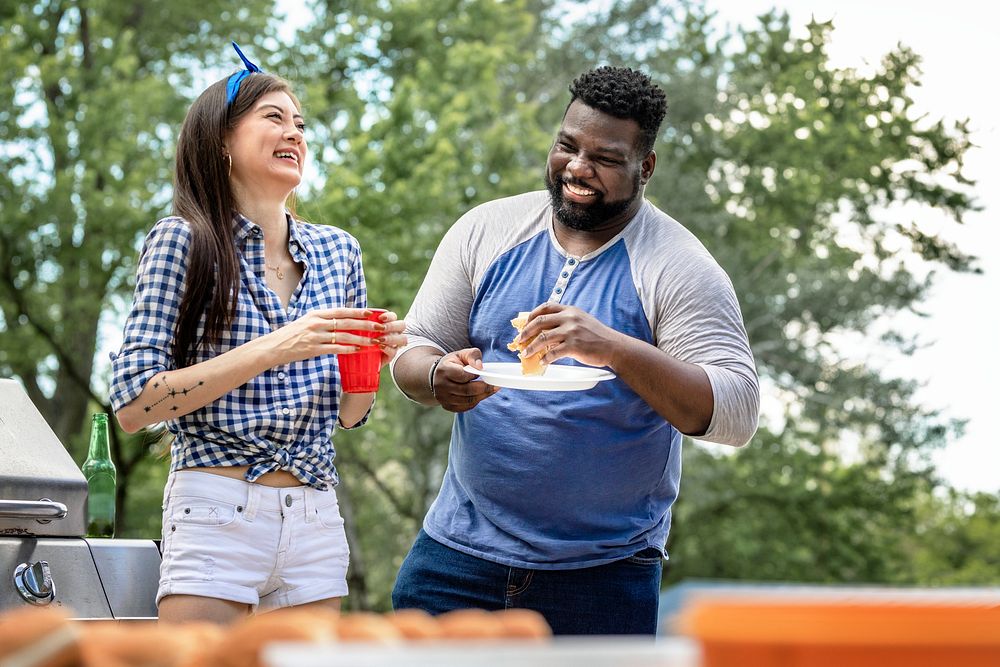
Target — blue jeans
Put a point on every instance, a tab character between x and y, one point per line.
619	598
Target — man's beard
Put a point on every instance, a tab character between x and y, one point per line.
590	217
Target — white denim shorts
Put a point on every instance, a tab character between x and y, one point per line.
263	546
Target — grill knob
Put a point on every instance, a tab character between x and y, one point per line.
34	582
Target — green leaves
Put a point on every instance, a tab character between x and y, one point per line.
779	511
958	540
438	125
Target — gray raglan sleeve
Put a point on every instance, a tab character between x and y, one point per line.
700	322
439	315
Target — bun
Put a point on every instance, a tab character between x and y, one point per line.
367	627
46	637
415	624
241	646
131	644
529	365
200	639
470	624
39	637
523	624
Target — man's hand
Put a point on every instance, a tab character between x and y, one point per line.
456	389
679	391
566	331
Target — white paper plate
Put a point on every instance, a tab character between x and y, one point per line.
558	652
557	377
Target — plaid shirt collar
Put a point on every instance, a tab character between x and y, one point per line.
243	228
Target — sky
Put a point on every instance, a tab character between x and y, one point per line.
959	366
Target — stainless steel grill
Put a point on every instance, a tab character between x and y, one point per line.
44	557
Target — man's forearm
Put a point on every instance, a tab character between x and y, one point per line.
680	392
411	372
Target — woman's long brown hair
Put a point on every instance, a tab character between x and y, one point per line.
204	198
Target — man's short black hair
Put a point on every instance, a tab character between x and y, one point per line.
623	92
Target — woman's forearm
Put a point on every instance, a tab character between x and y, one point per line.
172	394
353	408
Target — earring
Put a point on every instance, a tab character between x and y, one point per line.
229	158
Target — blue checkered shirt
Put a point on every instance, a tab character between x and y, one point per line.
284	418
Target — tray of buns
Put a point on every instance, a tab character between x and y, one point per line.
50	636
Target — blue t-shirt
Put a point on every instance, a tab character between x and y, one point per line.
556	479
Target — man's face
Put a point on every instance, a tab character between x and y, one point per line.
594	170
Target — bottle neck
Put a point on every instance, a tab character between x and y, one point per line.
100	448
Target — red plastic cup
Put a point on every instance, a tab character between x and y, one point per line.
359	371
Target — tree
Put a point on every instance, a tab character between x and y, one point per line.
810	168
812	163
92	96
793	173
957	540
779	511
806	181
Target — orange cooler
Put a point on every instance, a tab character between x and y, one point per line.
854	631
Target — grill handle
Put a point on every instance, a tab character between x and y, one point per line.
41	510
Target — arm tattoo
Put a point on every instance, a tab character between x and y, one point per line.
171	392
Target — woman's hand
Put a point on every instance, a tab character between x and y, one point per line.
321	331
392	338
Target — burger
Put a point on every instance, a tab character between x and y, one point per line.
529	365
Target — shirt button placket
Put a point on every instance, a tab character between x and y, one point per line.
258	250
564	276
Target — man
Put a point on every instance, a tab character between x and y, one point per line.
560	501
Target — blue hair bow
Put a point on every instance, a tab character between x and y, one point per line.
233	85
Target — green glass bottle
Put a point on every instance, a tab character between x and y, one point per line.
101	477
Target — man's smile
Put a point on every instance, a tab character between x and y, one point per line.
578	193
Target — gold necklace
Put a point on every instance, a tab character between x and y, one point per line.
277	270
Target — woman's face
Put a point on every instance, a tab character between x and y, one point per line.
268	148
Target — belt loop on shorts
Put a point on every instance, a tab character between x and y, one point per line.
252	501
309	503
171	477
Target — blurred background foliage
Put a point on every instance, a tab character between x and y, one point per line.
784	165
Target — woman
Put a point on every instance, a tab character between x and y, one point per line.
238	314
